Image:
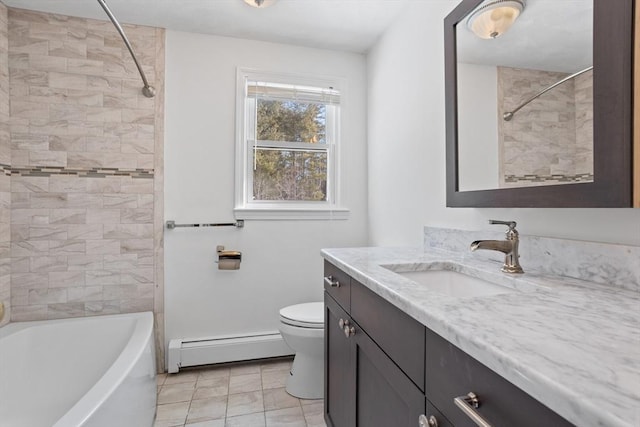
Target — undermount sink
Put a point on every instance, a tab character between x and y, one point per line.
455	284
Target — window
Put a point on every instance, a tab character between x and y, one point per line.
287	147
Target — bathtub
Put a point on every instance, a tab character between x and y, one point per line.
90	372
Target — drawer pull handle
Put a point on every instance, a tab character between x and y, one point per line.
430	422
349	331
333	283
468	404
346	327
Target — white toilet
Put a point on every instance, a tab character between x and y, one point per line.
302	327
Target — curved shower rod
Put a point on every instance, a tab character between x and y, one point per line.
147	90
509	114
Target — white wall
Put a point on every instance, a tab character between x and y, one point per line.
406	127
281	259
478	136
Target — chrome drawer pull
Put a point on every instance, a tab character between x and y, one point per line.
468	404
346	327
349	331
333	283
424	422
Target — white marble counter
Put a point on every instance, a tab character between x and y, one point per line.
571	344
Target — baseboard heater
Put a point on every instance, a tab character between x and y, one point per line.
206	351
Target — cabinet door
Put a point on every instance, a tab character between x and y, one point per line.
339	372
385	395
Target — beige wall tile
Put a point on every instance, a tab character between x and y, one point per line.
103	247
84	245
63	279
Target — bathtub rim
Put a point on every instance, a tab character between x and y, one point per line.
117	372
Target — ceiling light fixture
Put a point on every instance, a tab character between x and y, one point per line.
260	3
494	18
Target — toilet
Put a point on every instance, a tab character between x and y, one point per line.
302	328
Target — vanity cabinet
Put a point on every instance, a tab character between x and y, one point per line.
384	368
363	386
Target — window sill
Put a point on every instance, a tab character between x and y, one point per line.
292	213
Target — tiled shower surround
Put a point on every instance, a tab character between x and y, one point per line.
86	176
5	179
551	139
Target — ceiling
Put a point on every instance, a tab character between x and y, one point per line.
347	25
549	35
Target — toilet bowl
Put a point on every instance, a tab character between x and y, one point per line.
302	328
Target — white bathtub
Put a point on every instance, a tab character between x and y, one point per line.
89	372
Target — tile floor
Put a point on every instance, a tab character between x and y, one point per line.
234	395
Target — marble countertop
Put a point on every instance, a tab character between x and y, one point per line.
571	344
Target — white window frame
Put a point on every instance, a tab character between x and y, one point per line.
245	207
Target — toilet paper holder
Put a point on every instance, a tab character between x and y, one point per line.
228	260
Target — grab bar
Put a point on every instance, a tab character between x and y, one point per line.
238	224
147	90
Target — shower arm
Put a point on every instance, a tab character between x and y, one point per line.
147	90
509	114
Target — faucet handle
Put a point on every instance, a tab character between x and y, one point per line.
510	224
512	233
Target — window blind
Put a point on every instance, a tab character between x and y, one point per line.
283	92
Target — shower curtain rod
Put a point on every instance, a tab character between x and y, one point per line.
509	114
147	90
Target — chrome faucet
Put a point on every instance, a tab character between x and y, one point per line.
509	247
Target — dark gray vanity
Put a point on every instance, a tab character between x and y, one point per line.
433	331
384	368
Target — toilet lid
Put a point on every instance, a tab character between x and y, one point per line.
309	315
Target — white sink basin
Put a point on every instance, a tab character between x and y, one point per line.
455	284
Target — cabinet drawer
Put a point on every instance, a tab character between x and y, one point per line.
451	373
337	284
398	334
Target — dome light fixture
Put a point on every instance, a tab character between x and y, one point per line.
260	4
494	18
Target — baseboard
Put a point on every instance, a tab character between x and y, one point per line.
206	351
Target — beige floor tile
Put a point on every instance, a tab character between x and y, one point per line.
278	398
289	417
172	414
175	393
271	407
207	409
214	372
314	413
316	420
181	377
244	369
274	379
315	406
166	423
245	403
207	392
210	423
245	383
160	378
276	365
250	420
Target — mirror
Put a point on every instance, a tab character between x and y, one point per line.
549	140
529	113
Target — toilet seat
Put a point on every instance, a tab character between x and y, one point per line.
308	315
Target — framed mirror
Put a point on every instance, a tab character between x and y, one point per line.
539	113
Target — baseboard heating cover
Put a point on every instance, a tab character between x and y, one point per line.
205	351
